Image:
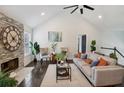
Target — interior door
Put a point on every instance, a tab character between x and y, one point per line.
82	43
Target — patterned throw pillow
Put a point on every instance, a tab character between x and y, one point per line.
94	63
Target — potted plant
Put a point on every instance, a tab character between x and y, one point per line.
35	48
6	81
92	46
60	57
113	55
53	46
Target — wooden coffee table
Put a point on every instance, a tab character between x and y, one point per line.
63	72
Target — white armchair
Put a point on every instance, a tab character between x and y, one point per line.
38	57
45	56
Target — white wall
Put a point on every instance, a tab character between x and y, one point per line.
113	39
28	56
70	26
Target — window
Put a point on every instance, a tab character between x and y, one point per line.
27	39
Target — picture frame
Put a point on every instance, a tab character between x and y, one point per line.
54	36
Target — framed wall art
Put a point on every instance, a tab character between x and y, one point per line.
54	36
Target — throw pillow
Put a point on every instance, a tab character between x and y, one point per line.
83	56
79	55
75	55
94	63
88	61
102	62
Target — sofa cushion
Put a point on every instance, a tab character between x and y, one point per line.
102	62
93	56
87	70
79	61
88	61
83	63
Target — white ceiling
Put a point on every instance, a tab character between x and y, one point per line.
112	16
31	14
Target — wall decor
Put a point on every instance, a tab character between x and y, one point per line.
11	38
54	36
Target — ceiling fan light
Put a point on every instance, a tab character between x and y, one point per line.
42	13
100	17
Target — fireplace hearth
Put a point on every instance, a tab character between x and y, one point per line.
10	65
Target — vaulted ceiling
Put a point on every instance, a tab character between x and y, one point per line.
31	14
112	16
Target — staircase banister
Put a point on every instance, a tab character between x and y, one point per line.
119	53
115	49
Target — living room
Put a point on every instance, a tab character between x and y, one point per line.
99	28
104	24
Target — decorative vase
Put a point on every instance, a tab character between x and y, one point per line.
93	52
61	62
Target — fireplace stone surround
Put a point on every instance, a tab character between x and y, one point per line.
6	55
10	65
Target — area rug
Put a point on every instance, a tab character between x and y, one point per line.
23	73
78	79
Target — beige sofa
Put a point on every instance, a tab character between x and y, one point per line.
111	74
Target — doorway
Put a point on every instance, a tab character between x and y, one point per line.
82	43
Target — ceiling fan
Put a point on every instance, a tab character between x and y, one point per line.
81	9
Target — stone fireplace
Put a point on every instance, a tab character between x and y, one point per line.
8	59
10	65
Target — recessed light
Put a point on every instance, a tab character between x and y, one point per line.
42	13
100	17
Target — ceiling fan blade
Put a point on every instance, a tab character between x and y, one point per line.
81	10
74	10
88	7
70	6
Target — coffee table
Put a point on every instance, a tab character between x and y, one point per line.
63	72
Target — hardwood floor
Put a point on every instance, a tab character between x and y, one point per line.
34	79
36	76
